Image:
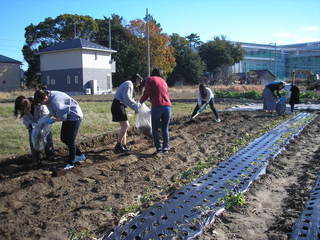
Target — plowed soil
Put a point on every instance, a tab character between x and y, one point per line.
48	202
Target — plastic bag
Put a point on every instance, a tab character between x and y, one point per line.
281	106
39	134
143	120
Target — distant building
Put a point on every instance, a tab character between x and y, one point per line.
77	66
10	74
262	77
280	60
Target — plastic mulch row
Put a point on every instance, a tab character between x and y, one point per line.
308	225
184	214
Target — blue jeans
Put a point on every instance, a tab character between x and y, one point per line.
160	118
69	132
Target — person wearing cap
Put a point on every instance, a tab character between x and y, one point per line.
123	98
270	95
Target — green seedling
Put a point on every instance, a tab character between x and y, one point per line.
234	199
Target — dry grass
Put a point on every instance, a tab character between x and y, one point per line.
14	94
238	88
181	92
188	92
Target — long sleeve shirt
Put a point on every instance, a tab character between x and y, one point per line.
275	88
207	99
31	118
63	107
124	94
156	89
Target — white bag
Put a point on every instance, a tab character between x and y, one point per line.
39	134
143	120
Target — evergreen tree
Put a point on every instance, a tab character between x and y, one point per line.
189	66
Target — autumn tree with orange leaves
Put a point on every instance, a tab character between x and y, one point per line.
161	53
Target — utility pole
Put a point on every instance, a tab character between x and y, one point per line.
148	42
275	59
109	33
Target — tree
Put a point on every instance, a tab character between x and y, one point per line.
128	56
161	53
189	66
219	54
52	31
194	40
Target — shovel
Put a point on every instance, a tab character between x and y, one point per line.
204	107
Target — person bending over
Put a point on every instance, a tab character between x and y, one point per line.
123	98
205	96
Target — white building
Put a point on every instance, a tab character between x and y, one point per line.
77	66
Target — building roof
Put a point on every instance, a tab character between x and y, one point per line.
259	73
4	59
77	43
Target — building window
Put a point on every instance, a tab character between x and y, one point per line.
53	81
68	80
76	79
48	80
109	86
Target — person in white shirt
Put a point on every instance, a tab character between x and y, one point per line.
123	98
205	96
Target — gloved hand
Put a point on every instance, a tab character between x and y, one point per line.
50	121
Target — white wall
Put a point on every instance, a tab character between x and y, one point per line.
60	60
75	59
9	76
96	59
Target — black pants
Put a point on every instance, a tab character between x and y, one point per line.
69	132
292	106
211	106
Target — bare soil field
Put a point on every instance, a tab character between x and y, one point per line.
48	202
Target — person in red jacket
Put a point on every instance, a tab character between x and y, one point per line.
156	89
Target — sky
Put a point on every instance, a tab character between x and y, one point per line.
253	21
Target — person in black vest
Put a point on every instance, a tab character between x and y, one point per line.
294	96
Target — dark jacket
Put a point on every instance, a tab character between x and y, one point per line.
295	94
275	88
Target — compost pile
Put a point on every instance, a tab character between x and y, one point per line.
52	203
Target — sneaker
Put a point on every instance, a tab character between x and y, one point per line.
79	158
119	148
68	166
125	147
165	150
158	151
218	120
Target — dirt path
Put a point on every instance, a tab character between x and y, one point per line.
50	203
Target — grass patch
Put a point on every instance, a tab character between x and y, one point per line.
97	120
